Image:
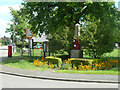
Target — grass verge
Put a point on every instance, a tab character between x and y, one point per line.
22	63
105	72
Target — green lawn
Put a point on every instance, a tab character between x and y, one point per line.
113	54
22	63
106	72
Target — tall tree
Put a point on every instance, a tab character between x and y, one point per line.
51	17
20	24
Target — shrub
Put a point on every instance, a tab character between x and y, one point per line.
78	61
63	57
104	63
53	60
19	44
66	66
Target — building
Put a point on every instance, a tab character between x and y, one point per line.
38	41
8	39
43	38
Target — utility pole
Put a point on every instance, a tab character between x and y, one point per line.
13	32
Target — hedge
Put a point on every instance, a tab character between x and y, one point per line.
20	44
78	61
54	60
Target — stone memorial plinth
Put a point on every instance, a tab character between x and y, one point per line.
75	53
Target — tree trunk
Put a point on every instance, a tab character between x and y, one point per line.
94	54
22	45
69	54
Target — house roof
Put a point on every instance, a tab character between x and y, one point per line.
43	38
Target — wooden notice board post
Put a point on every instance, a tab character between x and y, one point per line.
29	35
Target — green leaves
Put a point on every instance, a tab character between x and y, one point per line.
59	18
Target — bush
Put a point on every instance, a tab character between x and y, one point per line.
63	57
78	61
66	66
53	60
20	44
104	63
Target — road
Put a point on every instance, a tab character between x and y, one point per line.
10	81
3	52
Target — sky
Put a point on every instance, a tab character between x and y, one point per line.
5	16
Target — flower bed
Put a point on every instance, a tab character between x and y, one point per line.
96	64
82	65
44	64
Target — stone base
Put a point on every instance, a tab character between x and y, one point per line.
76	54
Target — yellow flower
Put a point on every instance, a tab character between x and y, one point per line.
75	68
93	69
81	63
42	59
37	59
46	62
83	69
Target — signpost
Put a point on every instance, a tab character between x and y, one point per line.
29	35
45	47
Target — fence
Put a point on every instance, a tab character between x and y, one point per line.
34	52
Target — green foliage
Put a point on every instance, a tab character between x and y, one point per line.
61	41
63	57
19	44
53	17
95	36
20	24
66	67
103	72
4	42
105	63
53	60
78	61
23	64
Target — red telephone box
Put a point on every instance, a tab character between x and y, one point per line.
9	51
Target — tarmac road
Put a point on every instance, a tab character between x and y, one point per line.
3	52
10	81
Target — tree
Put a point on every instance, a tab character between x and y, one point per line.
117	31
20	24
4	41
51	17
97	37
60	41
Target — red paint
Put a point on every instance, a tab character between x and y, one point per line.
76	44
40	48
9	51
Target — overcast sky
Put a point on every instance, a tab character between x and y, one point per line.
5	15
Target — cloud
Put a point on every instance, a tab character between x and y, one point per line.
5	17
5	11
3	26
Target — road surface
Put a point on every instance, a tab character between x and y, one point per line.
10	81
3	52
